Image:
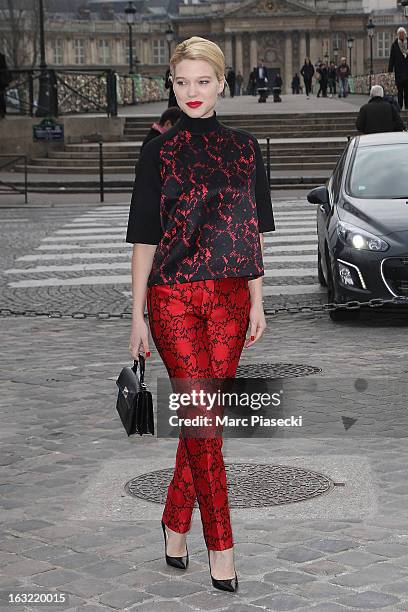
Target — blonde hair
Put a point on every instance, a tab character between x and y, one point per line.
197	48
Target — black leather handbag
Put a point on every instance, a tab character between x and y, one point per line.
135	402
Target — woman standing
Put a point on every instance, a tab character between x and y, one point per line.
307	73
200	204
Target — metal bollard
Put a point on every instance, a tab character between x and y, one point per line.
101	180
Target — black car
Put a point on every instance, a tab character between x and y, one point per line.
362	222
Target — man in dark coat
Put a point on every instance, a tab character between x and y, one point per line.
399	63
378	115
296	84
5	80
167	120
231	81
307	73
261	73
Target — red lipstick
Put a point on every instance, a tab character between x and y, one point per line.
194	104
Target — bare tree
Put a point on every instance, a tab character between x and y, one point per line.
19	32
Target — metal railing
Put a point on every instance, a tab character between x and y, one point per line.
7	186
71	91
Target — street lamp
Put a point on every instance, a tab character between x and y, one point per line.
370	32
170	38
336	54
350	42
130	13
44	94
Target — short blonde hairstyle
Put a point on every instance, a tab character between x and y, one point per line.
197	48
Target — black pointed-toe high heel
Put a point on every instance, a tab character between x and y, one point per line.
230	584
178	562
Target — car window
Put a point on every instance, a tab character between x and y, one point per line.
338	174
380	171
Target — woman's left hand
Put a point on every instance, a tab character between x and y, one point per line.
257	323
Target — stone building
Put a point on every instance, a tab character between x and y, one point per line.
282	32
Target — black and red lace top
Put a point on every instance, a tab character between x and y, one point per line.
201	194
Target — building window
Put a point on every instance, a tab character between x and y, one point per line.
79	51
57	51
125	53
383	44
337	40
104	51
159	51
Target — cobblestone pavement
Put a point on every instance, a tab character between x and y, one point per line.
71	258
67	526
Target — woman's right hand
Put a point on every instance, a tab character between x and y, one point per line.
139	339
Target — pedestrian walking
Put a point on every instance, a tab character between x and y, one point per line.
343	73
277	88
332	77
323	79
169	85
378	115
197	229
5	80
262	79
231	78
307	73
252	83
168	118
238	83
296	84
398	63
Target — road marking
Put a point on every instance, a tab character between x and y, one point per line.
91	249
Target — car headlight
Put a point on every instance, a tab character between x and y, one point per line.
360	239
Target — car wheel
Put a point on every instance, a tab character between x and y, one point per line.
320	274
341	314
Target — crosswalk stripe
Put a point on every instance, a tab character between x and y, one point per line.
72	247
300	290
91	249
81	255
87	237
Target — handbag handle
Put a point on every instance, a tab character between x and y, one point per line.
142	366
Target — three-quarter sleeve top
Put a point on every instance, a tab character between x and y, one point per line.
201	195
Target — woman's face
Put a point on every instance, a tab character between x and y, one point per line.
196	81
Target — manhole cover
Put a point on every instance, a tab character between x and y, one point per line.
249	485
275	370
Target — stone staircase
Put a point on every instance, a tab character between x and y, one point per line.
304	149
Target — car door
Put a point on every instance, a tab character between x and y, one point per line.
324	214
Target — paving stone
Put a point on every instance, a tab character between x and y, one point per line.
29	525
26	567
122	598
388	549
373	574
329	545
54	577
281	601
86	587
325	567
173	588
357	558
299	554
287	577
399	588
167	605
368	600
106	569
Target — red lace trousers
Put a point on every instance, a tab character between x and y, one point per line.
199	330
